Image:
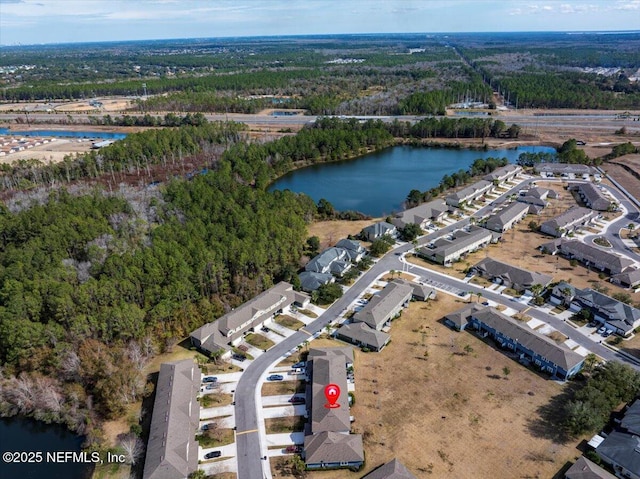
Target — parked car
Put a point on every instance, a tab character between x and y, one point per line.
211	386
264	329
485	303
211	455
299	365
293	449
210	379
208	426
297	400
239	357
601	330
275	377
593	324
607	333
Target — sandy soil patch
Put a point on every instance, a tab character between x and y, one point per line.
51	152
330	232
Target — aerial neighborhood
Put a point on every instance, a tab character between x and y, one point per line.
475	219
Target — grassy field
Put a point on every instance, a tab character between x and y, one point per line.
259	341
288	322
215	438
215	400
447	404
330	232
284	424
276	388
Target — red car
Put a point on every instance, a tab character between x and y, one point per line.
294	449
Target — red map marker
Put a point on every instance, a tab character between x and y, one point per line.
332	393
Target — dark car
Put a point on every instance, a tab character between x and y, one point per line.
593	324
239	357
213	454
210	379
299	365
297	400
211	425
275	377
211	386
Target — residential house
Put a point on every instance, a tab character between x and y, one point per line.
172	450
541	193
310	281
504	173
470	193
536	205
568	221
511	276
592	196
583	468
228	330
384	306
621	447
422	215
530	346
393	469
507	217
336	261
592	256
616	315
446	251
629	279
459	319
562	294
355	251
379	229
363	335
563	169
421	292
328	442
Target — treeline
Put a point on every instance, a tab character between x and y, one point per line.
454	128
435	102
479	167
170	119
567	90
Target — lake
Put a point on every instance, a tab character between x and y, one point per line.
104	135
377	184
23	435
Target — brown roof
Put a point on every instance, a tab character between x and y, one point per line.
393	469
585	469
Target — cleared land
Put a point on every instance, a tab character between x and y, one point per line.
330	232
626	171
464	410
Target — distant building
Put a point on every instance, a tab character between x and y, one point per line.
504	173
563	169
592	256
470	193
385	306
336	261
422	215
629	279
510	276
507	217
172	450
229	329
446	251
616	315
568	221
592	196
378	230
363	335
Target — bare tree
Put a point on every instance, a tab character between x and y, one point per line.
132	446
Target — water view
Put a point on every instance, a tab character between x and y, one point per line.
105	135
24	435
378	183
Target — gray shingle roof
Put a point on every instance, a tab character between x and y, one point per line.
631	419
346	353
324	262
500	219
519	279
460	317
594	198
630	277
530	339
585	469
327	370
421	213
378	229
503	172
331	447
569	218
621	448
618	314
461	241
393	469
172	451
532	200
560	168
310	280
420	291
471	190
381	305
585	252
362	334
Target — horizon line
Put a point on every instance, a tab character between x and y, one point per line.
311	35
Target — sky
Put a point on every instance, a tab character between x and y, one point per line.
62	21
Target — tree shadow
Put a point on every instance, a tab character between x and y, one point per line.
547	422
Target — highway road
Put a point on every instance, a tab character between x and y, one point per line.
249	443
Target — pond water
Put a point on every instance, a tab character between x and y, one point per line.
104	135
26	435
378	183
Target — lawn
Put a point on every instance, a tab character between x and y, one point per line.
308	312
220	368
288	322
259	341
278	425
454	411
215	438
631	346
215	400
277	388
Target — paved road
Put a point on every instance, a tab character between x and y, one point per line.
249	440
